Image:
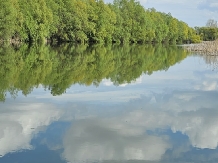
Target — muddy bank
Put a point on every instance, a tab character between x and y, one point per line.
205	47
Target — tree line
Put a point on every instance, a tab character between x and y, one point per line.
89	21
209	32
57	68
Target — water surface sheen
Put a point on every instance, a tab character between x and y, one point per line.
110	104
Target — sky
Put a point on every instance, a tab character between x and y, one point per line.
193	12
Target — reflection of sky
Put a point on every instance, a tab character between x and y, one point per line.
19	122
170	115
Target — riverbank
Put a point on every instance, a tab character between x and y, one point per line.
205	47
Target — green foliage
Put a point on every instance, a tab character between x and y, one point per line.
89	21
161	28
37	19
8	18
104	24
56	69
207	33
193	36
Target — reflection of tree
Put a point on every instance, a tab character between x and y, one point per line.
58	68
212	61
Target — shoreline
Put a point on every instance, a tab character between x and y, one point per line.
205	47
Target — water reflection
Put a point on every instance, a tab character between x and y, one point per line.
170	116
143	133
56	69
20	122
96	140
157	127
212	61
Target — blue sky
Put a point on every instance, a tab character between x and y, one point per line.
193	12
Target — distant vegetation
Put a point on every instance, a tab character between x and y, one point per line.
56	69
209	32
209	35
90	21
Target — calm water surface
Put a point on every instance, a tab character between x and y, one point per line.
107	104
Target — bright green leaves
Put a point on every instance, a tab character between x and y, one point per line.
160	26
173	28
8	19
182	31
165	28
37	19
88	21
104	23
207	33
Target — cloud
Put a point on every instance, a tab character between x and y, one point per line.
211	5
207	86
194	113
96	140
125	137
21	122
108	82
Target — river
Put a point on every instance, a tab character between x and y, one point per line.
110	104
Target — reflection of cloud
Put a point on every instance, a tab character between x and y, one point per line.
109	96
200	126
18	124
193	113
111	139
124	137
108	82
207	86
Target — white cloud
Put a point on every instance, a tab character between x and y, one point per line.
101	139
108	82
124	137
21	122
195	114
207	86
